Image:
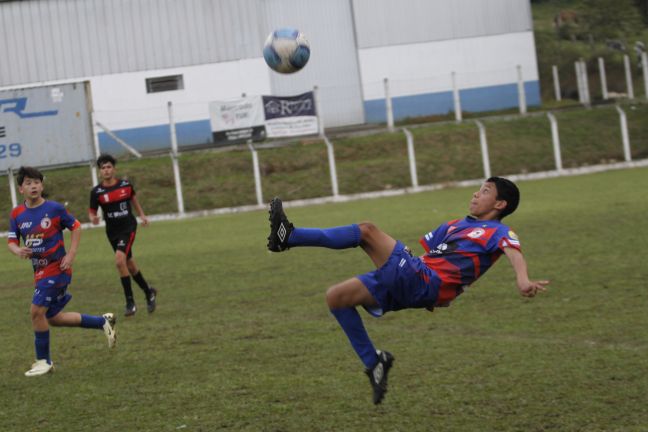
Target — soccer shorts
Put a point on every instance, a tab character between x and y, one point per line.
51	292
123	241
401	283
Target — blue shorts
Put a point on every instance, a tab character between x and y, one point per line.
51	292
401	283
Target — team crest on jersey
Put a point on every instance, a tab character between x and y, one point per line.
46	222
476	233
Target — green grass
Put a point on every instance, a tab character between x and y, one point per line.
242	339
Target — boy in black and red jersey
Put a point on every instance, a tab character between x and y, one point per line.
117	198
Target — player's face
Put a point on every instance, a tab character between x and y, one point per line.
31	188
484	202
107	171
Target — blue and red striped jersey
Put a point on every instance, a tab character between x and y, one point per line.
41	230
462	250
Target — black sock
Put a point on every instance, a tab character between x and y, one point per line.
142	283
128	291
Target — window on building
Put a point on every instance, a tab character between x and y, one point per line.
165	83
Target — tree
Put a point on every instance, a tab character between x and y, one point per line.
612	19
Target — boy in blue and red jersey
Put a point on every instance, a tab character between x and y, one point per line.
40	224
457	254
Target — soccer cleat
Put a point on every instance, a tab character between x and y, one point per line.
130	309
109	329
40	367
280	227
150	302
378	375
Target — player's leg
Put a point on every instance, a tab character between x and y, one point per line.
106	322
43	363
342	300
124	277
149	291
283	235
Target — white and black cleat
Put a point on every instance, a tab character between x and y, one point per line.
280	227
378	375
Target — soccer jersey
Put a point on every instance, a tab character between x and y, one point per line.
115	202
41	230
462	250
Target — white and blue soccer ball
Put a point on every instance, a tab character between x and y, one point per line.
286	50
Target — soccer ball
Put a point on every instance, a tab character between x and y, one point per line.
286	50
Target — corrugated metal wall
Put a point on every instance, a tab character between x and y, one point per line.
45	40
388	22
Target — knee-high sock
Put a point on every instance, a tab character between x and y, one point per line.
139	278
91	321
128	290
341	237
42	345
351	323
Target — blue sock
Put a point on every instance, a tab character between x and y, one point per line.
91	321
342	237
41	342
351	323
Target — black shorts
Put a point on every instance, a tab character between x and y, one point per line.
122	240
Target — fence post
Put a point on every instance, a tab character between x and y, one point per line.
628	76
604	88
318	107
644	68
456	97
555	139
388	106
521	92
585	83
556	81
484	149
579	82
625	137
332	168
174	160
412	158
12	188
257	173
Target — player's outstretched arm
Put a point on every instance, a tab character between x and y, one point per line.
140	210
528	288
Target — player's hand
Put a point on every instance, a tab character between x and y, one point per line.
95	220
531	288
66	262
145	220
24	252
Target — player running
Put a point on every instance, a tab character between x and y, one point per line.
40	224
117	197
457	254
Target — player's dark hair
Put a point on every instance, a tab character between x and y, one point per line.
28	172
507	191
106	158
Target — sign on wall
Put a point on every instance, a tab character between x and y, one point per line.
290	116
45	126
257	117
237	120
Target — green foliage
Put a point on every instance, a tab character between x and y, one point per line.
242	339
612	19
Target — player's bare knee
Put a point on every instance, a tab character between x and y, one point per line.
367	230
334	297
37	313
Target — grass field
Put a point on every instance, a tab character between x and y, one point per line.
242	339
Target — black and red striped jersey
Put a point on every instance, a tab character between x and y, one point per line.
115	202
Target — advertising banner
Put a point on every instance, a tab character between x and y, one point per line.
290	116
237	121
